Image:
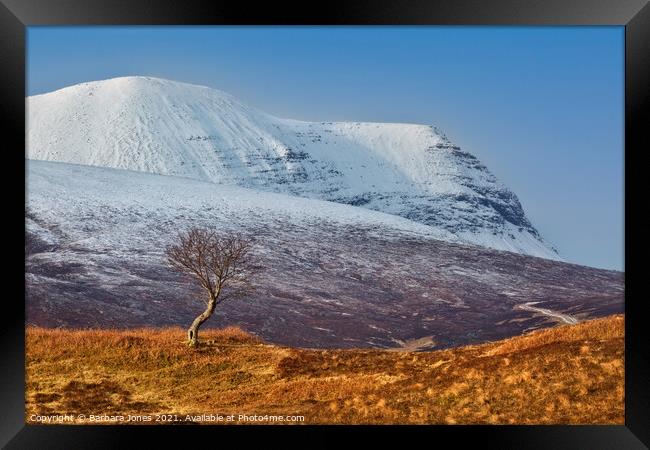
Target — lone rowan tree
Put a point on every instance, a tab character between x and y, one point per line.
220	264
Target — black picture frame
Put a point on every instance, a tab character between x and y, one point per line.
634	15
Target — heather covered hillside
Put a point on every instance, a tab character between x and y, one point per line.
572	374
332	275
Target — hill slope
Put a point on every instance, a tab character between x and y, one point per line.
564	375
334	275
170	128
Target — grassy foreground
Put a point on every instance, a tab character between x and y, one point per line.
569	374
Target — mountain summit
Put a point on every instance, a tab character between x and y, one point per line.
172	128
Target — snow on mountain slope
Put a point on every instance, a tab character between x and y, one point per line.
171	128
78	193
331	275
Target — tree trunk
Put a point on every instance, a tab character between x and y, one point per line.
193	332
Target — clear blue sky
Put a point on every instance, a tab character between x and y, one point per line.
542	107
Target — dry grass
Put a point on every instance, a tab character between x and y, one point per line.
570	374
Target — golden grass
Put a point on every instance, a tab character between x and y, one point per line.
570	374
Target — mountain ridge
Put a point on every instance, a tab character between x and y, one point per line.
171	128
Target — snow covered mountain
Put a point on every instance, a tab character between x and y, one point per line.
171	128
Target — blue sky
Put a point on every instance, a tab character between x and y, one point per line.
542	107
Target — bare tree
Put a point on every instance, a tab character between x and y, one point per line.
220	264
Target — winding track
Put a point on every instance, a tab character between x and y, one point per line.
547	312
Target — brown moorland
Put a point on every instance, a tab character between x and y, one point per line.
571	374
